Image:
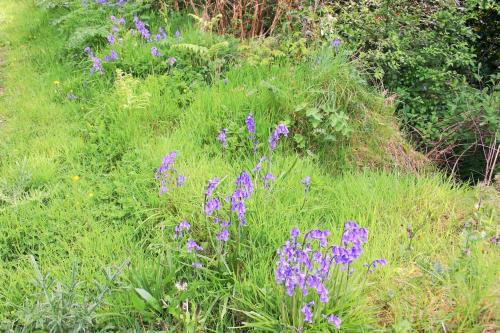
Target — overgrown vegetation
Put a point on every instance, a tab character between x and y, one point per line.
438	58
186	160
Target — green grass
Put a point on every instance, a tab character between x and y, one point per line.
77	185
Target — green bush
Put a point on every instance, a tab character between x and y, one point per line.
427	53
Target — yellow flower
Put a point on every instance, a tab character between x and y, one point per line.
75	178
57	83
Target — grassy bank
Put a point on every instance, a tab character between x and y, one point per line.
78	155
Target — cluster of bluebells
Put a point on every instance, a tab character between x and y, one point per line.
96	62
280	131
222	137
212	206
243	191
166	172
191	246
250	123
306	267
118	3
142	29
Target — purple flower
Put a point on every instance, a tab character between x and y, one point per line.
281	130
171	61
113	18
336	43
180	180
244	182
193	246
163	171
306	311
161	35
250	124
225	82
155	52
259	164
222	137
197	265
332	319
111	39
267	179
306	182
115	29
212	185
211	206
121	21
177	34
96	65
494	240
141	27
183	225
244	188
223	235
113	55
374	264
88	51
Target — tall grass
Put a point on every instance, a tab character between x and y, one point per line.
77	186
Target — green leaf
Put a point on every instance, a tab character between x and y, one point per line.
148	298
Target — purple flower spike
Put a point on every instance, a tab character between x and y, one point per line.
281	130
155	52
212	185
223	236
250	122
171	61
193	246
183	225
222	137
141	27
211	206
306	182
332	319
259	164
111	39
306	311
180	180
336	43
268	179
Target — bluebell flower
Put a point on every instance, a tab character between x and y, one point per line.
332	319
180	180
191	246
171	61
306	311
222	137
155	52
212	185
179	229
267	179
306	182
211	206
250	122
281	130
336	43
141	27
111	39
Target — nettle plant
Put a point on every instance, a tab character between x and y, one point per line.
312	271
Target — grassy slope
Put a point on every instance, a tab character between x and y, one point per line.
112	210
